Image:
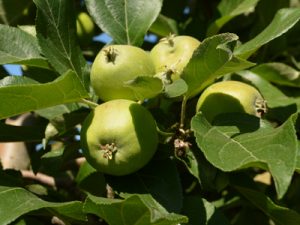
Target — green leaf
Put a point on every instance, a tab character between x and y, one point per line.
16	81
39	74
175	89
50	132
159	178
282	22
298	159
230	9
278	73
279	214
238	142
202	212
58	110
213	58
145	87
207	175
135	210
17	99
164	26
27	221
30	29
68	119
264	14
22	202
90	180
56	33
192	164
63	121
24	50
52	160
125	21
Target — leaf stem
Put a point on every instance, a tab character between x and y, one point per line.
89	103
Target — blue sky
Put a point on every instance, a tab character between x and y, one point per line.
13	69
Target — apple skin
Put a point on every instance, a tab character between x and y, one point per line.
125	125
173	53
116	64
85	28
229	97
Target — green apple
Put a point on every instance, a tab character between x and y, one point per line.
230	96
116	64
171	54
85	28
119	137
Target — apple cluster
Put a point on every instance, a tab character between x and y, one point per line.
120	136
116	64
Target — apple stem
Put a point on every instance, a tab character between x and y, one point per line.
164	133
182	113
89	103
261	107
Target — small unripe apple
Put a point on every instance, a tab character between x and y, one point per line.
228	97
119	137
172	54
116	64
85	28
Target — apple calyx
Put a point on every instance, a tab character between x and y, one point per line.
169	39
108	150
260	107
110	54
167	76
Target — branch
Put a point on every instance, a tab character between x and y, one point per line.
47	180
40	177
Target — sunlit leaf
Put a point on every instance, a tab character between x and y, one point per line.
282	22
230	9
22	96
125	21
56	33
24	50
239	142
213	58
22	202
136	209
